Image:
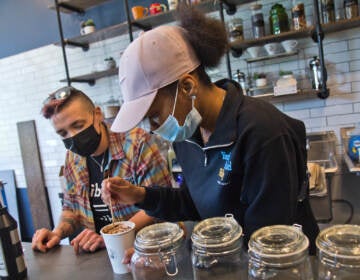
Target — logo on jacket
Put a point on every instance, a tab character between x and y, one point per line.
224	172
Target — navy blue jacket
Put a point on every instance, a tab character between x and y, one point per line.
253	166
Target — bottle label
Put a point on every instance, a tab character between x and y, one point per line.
3	268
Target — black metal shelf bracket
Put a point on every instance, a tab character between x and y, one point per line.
229	8
91	82
71	8
141	26
84	46
236	52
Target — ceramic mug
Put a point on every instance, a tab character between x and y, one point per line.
272	48
87	29
139	12
156	8
172	4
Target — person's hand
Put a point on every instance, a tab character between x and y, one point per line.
87	241
127	256
44	239
121	191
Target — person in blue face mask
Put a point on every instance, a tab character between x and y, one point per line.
93	153
238	154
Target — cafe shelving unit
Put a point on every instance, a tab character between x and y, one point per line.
237	47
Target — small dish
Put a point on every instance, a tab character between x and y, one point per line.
272	48
289	45
254	51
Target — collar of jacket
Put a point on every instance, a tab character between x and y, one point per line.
226	125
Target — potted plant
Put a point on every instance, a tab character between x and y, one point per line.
87	27
285	74
260	79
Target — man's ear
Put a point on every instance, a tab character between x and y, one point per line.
99	114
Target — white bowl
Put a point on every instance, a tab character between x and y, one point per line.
289	45
254	51
272	48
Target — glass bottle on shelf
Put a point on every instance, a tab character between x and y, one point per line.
235	29
257	21
351	9
278	19
298	15
327	11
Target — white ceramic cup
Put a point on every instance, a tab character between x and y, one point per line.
117	243
254	51
172	4
87	29
289	45
272	48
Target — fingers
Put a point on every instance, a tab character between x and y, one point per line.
127	256
88	241
54	240
39	240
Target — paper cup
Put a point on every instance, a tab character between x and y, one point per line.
117	243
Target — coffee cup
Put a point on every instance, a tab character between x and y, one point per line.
139	12
87	29
173	4
272	48
118	237
156	8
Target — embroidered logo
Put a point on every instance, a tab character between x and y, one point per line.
224	172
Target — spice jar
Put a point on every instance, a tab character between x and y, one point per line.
157	252
257	21
279	252
278	19
328	11
235	29
351	9
339	252
217	249
298	16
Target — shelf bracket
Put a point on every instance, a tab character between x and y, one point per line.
71	8
141	26
236	52
229	8
84	46
91	82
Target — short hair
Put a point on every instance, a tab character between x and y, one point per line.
54	104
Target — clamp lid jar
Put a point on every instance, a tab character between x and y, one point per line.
217	249
339	252
157	251
279	252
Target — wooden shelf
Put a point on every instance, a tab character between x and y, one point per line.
296	34
268	57
301	95
71	6
144	23
92	77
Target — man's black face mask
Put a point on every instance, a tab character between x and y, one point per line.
84	143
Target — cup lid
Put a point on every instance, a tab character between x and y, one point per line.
216	232
341	241
158	236
278	241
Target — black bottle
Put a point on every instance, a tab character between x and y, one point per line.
12	263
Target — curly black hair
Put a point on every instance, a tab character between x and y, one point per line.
207	35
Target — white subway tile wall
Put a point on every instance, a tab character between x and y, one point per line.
27	79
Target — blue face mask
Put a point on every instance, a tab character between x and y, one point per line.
171	131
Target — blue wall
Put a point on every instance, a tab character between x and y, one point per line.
29	24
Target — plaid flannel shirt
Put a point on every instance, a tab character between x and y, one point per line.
134	155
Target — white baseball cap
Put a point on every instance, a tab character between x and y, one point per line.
154	60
